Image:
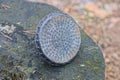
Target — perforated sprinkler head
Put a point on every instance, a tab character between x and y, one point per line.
58	38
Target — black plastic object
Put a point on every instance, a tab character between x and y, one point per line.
58	38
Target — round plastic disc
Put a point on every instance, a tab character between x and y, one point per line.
58	37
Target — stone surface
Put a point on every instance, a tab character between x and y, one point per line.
19	58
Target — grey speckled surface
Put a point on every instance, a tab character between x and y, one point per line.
20	60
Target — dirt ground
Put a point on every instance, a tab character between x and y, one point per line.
100	19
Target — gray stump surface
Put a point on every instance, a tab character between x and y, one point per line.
19	58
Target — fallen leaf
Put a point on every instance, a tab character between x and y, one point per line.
101	13
115	19
91	7
97	11
5	6
29	31
82	17
6	36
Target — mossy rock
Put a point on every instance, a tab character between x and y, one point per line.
19	58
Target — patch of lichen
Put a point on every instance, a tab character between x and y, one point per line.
32	26
93	67
33	22
97	59
10	70
83	35
12	75
76	78
92	48
17	49
29	70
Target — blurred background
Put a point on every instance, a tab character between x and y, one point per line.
100	19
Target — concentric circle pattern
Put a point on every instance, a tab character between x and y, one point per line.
59	37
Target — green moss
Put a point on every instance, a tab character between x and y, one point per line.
96	69
93	67
33	22
77	78
97	59
81	48
88	63
32	26
17	75
18	49
93	48
29	70
83	35
12	75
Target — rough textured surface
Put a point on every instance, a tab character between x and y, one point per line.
58	38
19	59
